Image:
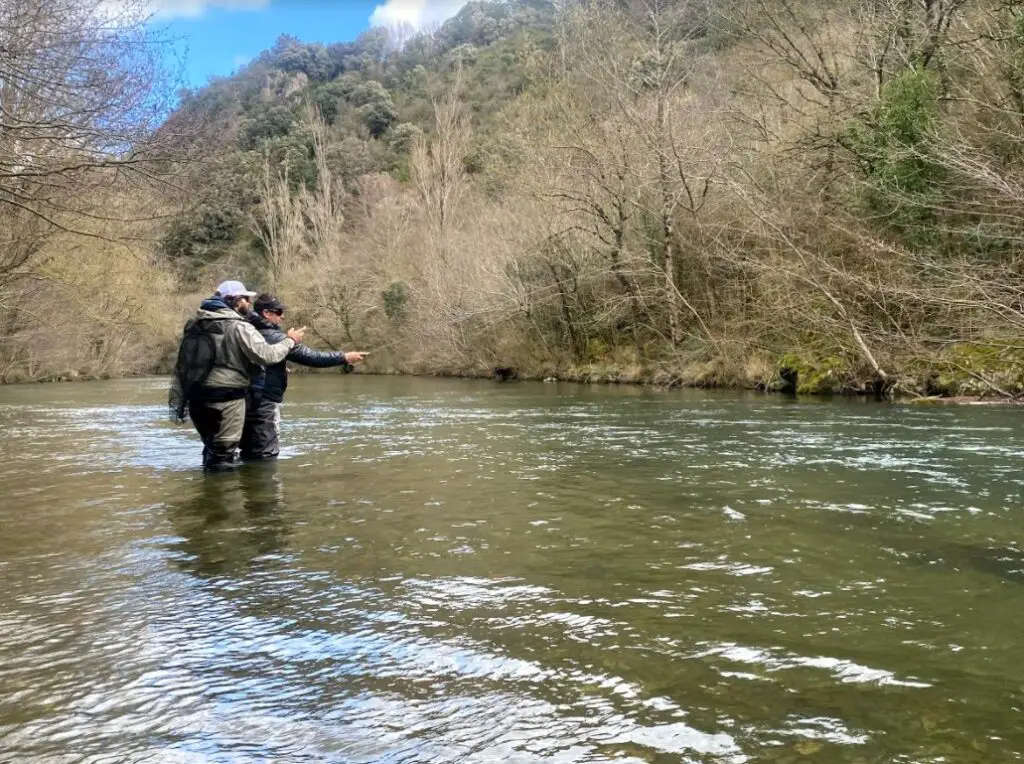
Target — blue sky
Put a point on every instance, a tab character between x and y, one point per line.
218	36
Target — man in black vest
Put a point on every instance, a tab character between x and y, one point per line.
260	438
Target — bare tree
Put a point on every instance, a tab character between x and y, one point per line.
297	225
398	34
83	87
438	172
682	183
632	80
277	222
894	35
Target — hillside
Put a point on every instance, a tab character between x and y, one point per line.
773	194
374	96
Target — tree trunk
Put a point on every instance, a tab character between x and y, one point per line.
668	229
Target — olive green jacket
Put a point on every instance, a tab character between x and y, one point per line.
242	355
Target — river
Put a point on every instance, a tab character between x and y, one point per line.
468	571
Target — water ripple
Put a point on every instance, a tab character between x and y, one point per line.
446	571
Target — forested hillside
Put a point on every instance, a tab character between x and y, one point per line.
714	192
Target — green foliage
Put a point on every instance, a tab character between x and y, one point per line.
403	136
892	146
500	73
977	369
475	161
329	99
597	348
368	92
378	117
462	55
396	298
483	23
371	46
294	153
818	376
289	54
351	158
269	124
375	108
415	80
361	88
201	236
312	60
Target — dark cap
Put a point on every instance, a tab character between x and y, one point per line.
267	301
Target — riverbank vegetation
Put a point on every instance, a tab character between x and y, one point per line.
826	197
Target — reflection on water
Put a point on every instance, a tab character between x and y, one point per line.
451	571
230	522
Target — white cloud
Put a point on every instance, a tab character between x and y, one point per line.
415	13
170	9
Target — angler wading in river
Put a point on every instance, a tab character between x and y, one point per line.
260	438
219	355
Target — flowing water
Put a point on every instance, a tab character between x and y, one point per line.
454	571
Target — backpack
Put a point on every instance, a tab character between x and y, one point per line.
197	356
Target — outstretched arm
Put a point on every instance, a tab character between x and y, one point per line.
306	356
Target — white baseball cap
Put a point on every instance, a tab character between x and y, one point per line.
234	289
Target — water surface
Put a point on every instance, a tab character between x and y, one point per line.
455	571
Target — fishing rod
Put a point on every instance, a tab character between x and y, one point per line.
444	325
535	296
376	349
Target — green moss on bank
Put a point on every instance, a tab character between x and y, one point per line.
960	372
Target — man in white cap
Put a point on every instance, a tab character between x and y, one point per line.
220	353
